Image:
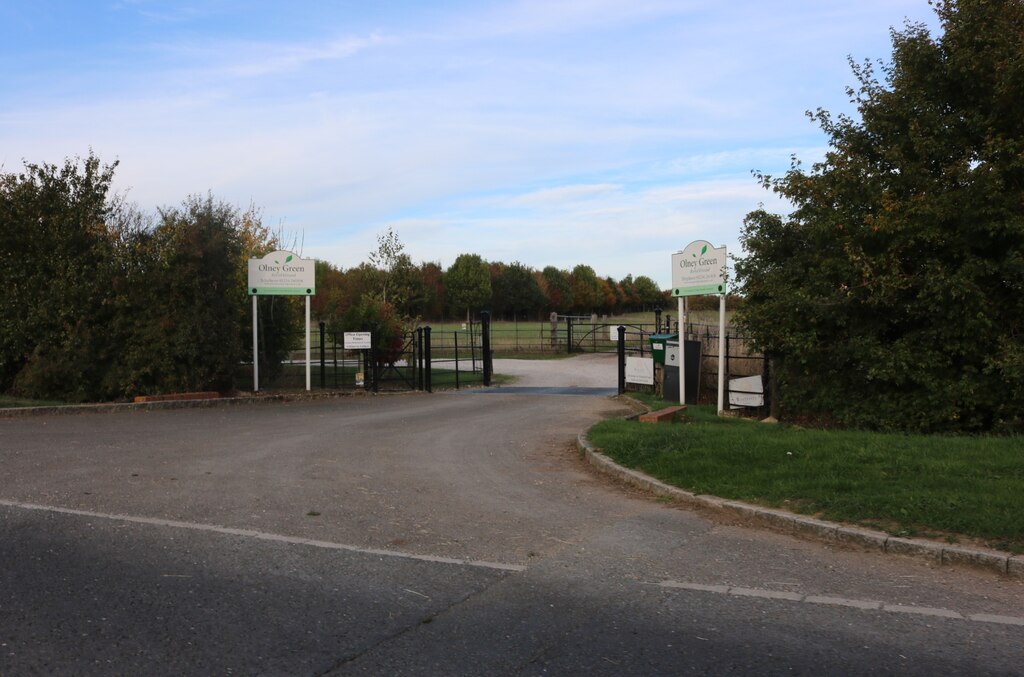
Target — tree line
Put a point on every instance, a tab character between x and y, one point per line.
429	292
103	301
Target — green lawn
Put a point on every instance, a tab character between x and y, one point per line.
9	402
936	486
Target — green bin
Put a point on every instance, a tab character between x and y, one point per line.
659	343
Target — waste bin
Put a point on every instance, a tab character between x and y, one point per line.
659	345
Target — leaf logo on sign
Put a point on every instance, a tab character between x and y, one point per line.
703	251
290	258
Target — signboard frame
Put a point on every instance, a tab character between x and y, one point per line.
700	270
279	273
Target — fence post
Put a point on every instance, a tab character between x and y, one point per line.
657	320
622	359
417	358
323	356
455	335
428	361
728	390
568	334
334	358
485	329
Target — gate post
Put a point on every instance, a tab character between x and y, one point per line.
428	361
568	334
323	356
622	359
417	358
485	328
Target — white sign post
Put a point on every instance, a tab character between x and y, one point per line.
279	273
699	270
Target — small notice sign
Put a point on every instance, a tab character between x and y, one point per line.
357	340
640	370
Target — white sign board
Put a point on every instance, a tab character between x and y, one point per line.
640	370
746	392
698	270
357	340
282	273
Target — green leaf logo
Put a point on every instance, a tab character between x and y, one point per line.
290	258
703	251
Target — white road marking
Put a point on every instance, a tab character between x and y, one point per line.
870	605
264	536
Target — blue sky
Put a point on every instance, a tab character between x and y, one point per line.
604	132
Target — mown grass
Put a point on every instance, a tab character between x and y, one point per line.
10	402
912	485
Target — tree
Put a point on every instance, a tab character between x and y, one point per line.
468	284
516	288
586	289
893	295
648	295
398	282
58	259
559	289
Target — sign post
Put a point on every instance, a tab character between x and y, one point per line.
279	273
699	270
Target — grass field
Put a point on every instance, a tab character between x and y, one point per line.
912	485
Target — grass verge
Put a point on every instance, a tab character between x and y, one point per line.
908	485
9	402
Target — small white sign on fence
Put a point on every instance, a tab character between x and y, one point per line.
357	340
640	370
746	392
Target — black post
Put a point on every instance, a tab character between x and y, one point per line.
369	370
657	320
622	359
428	361
727	374
485	329
417	359
323	356
568	334
334	358
455	335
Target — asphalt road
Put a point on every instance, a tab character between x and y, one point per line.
446	534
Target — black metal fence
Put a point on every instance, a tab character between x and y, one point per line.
423	360
428	359
746	375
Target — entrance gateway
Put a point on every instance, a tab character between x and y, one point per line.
279	273
699	270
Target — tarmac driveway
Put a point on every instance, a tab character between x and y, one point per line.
455	533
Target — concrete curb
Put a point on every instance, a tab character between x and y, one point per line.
813	529
114	407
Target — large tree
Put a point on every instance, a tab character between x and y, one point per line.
893	295
516	291
57	257
468	284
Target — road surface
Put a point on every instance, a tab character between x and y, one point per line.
449	534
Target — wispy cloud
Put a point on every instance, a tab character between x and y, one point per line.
604	132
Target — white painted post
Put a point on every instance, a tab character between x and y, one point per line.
721	354
307	344
255	347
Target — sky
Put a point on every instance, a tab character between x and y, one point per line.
609	133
